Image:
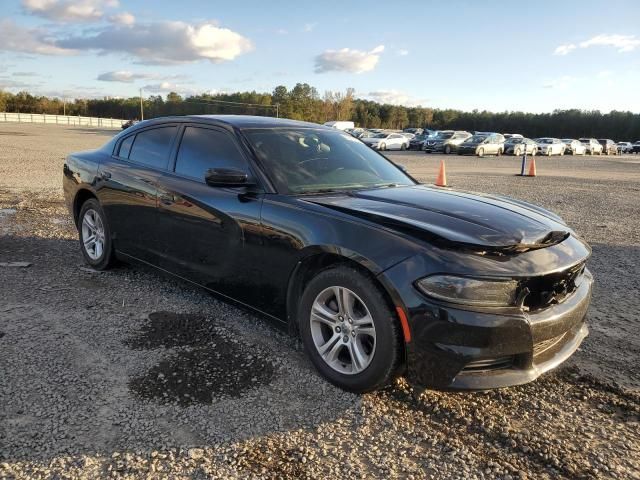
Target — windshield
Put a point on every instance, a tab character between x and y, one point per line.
444	135
476	139
381	135
419	137
545	140
301	160
567	140
514	140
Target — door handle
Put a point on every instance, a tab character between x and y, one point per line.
166	199
105	175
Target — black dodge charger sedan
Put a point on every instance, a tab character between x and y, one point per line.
379	275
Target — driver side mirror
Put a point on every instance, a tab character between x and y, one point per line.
226	177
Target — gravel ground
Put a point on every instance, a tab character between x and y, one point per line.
129	374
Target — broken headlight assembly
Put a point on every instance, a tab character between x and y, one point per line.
481	292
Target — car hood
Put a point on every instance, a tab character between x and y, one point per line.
446	216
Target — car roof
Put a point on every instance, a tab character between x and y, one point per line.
237	121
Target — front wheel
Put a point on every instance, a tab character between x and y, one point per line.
383	146
349	332
481	152
447	149
518	152
94	235
403	147
499	152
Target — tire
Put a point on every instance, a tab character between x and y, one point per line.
481	152
499	153
403	147
98	254
534	152
380	355
447	149
383	146
518	152
549	153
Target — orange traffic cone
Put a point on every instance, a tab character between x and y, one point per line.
441	181
532	167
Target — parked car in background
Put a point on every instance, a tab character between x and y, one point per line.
447	141
416	142
340	125
512	135
625	147
518	145
550	146
387	141
592	145
609	147
636	147
129	123
408	135
482	144
378	275
415	131
574	147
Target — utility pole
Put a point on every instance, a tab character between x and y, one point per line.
64	106
141	107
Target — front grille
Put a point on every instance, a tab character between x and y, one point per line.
498	363
545	345
551	289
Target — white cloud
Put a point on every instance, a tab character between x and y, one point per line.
623	43
68	10
403	53
348	60
123	76
564	49
282	31
124	18
561	83
395	97
19	39
309	27
165	42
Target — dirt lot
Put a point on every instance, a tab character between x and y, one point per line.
129	374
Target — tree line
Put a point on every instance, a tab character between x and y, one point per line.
304	102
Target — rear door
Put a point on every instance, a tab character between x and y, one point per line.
209	234
128	188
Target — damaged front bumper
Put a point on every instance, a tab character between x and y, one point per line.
454	347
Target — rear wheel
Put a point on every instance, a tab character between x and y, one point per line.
383	146
95	237
499	152
481	152
403	147
349	332
447	149
518	152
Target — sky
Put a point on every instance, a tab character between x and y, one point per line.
487	55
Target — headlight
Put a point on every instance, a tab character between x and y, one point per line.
485	292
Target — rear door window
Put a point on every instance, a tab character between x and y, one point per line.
205	148
152	147
125	146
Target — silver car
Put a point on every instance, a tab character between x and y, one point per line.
518	145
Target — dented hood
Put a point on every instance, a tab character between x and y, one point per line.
446	216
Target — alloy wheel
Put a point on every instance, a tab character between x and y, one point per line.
93	236
343	330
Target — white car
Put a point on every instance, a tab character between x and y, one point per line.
387	141
574	147
550	146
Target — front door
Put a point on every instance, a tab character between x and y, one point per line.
207	233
